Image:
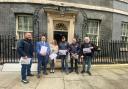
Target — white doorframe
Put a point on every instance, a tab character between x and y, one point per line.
52	17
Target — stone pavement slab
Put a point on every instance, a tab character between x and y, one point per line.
69	84
51	83
33	82
7	78
16	67
1	67
102	78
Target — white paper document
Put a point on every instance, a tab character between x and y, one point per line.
62	52
43	49
25	60
87	50
53	56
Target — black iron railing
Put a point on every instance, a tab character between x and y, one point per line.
109	52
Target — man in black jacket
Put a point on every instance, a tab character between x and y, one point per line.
87	50
74	50
25	50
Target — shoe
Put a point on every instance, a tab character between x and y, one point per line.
62	71
89	73
50	71
38	75
30	75
25	81
77	71
53	71
45	73
82	71
71	71
67	72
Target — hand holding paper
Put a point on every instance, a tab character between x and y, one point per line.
87	50
53	56
25	60
43	50
62	52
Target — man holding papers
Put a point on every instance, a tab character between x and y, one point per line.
25	51
74	50
63	52
43	51
87	50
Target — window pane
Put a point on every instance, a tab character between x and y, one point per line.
30	23
20	23
24	25
124	32
21	35
93	28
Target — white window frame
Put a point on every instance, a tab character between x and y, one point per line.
124	30
17	35
98	29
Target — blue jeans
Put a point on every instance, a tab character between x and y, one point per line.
24	71
64	63
87	61
42	60
29	68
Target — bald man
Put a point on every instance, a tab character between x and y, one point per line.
25	50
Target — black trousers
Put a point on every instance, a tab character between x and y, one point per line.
72	64
52	65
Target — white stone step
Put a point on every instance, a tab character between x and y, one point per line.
17	66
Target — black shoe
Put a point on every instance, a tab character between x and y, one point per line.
25	81
71	71
89	73
77	71
30	75
38	75
45	73
62	71
82	71
67	72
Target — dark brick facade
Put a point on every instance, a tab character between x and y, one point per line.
8	12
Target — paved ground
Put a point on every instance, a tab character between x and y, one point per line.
102	78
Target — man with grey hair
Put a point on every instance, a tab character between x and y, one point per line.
87	50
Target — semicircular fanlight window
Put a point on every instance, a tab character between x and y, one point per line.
61	26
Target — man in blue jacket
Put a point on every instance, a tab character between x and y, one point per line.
43	52
63	52
25	50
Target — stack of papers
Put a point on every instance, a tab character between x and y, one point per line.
62	52
53	56
25	60
87	50
43	49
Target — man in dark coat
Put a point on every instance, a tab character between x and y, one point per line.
25	51
87	50
74	50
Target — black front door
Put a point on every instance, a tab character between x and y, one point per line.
58	35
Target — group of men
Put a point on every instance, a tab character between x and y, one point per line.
77	51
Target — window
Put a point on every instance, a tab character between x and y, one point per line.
23	24
93	30
61	27
124	32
